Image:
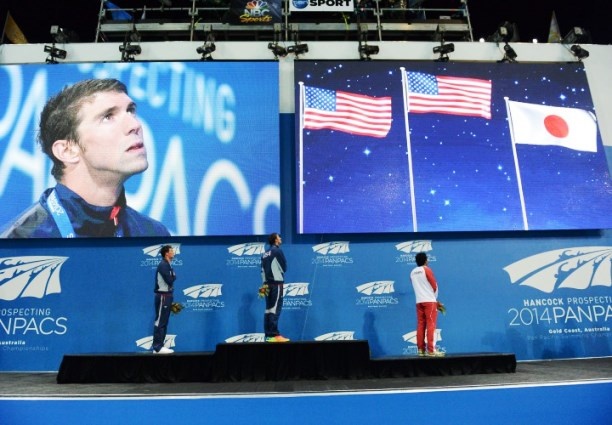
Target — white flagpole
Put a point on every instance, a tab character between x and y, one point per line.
301	160
408	147
517	167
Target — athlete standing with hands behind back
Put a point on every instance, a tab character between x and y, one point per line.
426	294
164	295
273	268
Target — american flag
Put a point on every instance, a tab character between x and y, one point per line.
429	93
347	112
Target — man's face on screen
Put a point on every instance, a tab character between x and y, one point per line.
111	138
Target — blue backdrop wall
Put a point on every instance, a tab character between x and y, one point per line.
541	295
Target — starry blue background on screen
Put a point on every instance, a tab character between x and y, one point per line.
463	166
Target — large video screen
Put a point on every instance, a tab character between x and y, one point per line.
189	151
392	146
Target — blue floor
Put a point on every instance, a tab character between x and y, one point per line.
583	403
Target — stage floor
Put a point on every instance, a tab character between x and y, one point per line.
536	373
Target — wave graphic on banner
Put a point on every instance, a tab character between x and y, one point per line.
377	288
338	247
153	250
295	289
576	268
204	291
33	276
414	246
244	338
249	248
336	336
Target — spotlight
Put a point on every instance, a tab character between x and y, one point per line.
505	32
279	51
509	54
365	50
579	52
61	35
207	48
128	51
298	49
576	36
443	50
54	54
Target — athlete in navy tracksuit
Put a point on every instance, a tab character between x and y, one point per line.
164	287
273	268
91	133
47	219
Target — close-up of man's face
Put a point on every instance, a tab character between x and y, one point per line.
110	136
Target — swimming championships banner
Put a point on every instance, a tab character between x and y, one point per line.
538	298
212	150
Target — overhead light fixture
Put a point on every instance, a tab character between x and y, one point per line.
298	49
54	54
365	50
509	54
579	52
505	32
62	36
129	50
278	50
443	50
577	35
208	47
205	50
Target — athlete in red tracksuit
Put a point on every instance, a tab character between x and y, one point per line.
426	293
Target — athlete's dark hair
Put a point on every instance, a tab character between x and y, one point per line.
272	238
59	119
421	259
164	250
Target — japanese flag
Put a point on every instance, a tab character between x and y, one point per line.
571	128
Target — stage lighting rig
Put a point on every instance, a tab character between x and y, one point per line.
205	50
129	50
274	47
208	47
504	33
365	50
54	54
62	36
279	51
577	35
509	54
444	48
298	48
579	52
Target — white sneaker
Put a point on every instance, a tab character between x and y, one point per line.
164	350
